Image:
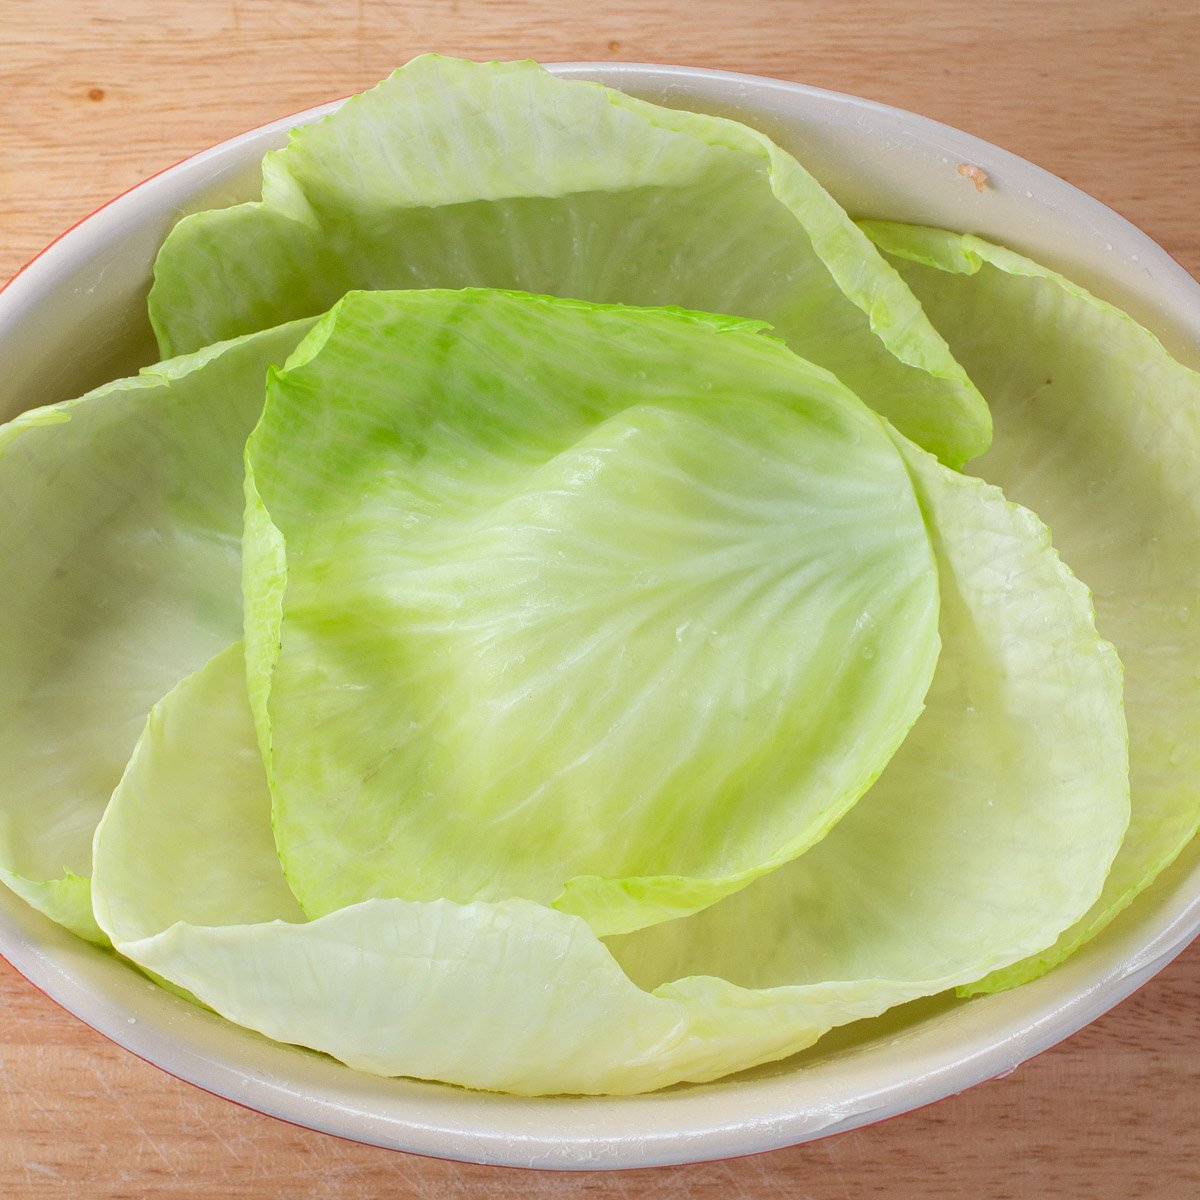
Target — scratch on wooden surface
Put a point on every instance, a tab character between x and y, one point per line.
46	1105
46	1169
740	1185
129	1111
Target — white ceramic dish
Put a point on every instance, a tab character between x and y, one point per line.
76	316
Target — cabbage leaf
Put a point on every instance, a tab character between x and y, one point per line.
608	608
1097	430
455	174
121	542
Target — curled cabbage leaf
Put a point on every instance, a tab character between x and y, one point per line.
455	174
121	535
609	608
1098	430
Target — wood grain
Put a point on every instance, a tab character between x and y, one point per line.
94	96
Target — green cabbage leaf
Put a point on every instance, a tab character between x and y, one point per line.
121	541
1098	431
455	174
608	608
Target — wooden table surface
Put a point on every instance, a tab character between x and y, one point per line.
98	94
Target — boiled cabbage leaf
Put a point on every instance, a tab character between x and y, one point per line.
121	543
455	174
1098	431
608	608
